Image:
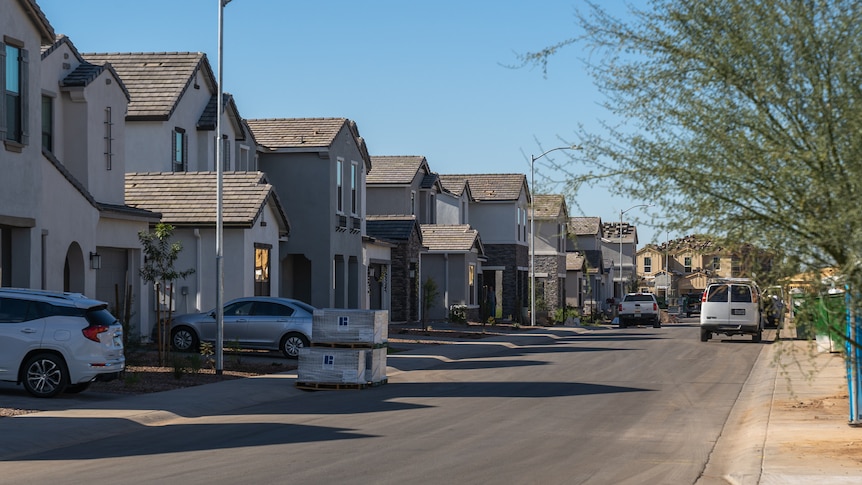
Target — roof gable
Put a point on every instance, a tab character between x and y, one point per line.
397	169
37	17
451	238
491	187
392	228
305	134
548	206
585	226
156	80
187	198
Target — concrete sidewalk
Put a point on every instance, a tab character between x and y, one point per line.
790	424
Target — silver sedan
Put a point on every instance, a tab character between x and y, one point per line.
259	322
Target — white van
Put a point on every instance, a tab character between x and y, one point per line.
731	306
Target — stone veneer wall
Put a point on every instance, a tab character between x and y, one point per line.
555	290
405	303
510	256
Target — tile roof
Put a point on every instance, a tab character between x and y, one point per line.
548	206
189	198
575	261
85	72
156	80
396	169
585	226
449	237
391	228
491	186
275	133
454	184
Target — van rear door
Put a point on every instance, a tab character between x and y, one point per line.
715	309
743	306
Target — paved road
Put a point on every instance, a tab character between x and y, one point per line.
636	406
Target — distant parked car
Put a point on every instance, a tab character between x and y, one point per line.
53	342
257	322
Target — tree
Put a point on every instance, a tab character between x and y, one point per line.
160	254
740	118
429	297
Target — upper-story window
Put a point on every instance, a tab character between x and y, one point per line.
354	188
716	263
48	123
687	264
412	202
180	156
647	264
339	185
225	153
13	105
109	139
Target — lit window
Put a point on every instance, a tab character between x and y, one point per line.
261	269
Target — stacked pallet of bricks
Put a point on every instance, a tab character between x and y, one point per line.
348	350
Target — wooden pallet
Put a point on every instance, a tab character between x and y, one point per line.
337	386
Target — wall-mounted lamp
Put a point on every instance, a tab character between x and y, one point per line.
95	260
412	273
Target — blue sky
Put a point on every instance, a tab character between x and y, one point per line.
419	78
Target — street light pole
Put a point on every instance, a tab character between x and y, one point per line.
533	229
622	279
219	353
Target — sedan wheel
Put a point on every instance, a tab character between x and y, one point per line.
291	344
184	339
45	375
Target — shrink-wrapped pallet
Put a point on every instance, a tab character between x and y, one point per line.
343	326
375	365
321	365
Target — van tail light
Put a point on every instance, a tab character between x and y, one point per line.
92	332
703	296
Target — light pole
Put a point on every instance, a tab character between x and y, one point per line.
622	279
533	229
219	353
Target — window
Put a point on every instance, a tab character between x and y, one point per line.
716	263
48	123
412	202
109	139
687	264
244	158
13	105
647	265
339	186
180	150
354	184
261	269
225	153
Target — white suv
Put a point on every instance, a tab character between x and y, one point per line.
54	342
731	306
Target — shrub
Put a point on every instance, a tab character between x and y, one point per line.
458	313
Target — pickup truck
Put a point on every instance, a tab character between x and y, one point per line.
639	308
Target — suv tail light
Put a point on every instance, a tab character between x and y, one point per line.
703	296
92	332
655	307
620	308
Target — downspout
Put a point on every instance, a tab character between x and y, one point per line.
198	264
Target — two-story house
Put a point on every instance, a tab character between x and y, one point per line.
318	167
684	266
550	217
586	237
498	210
401	194
170	142
63	221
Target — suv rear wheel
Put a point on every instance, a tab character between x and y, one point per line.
45	375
